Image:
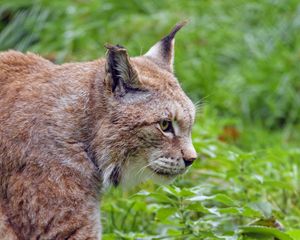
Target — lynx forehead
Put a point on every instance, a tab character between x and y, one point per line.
67	131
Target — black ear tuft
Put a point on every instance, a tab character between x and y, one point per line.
167	45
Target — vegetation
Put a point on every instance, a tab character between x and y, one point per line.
239	61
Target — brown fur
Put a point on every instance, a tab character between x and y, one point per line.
65	132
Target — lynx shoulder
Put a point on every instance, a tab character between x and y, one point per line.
68	131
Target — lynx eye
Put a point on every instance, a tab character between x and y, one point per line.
166	126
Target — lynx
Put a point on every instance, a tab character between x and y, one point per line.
68	131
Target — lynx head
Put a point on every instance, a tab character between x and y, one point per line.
149	118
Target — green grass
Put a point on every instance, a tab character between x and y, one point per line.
239	59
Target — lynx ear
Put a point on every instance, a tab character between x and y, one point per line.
121	77
163	51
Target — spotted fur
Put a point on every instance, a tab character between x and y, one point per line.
68	131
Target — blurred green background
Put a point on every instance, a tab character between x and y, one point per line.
238	60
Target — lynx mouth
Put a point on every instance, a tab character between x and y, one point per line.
165	174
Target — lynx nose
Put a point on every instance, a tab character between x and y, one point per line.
188	162
189	154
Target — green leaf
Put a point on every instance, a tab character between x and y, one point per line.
249	212
265	231
222	198
294	233
197	207
231	210
165	212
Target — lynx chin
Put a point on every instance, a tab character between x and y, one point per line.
68	131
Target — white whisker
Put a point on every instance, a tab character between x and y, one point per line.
143	169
